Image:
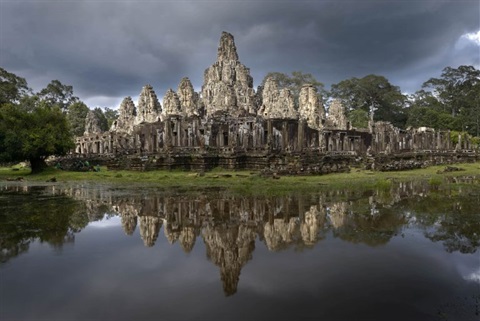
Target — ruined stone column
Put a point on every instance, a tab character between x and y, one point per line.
310	108
300	135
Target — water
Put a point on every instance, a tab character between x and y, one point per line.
98	252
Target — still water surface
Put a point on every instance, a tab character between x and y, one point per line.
98	252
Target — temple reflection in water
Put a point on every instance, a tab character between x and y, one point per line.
230	225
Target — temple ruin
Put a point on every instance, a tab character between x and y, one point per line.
229	124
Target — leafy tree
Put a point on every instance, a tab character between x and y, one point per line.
424	110
102	119
31	127
375	93
77	112
456	87
58	94
111	115
458	94
33	135
295	83
12	87
358	118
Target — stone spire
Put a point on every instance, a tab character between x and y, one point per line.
92	124
228	86
311	224
187	238
310	108
126	116
280	233
336	115
129	222
227	51
278	104
149	229
230	248
171	104
188	98
148	106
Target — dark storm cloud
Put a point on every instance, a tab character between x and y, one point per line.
110	49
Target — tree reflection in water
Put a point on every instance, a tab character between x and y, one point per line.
230	225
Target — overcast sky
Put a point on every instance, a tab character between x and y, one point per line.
109	49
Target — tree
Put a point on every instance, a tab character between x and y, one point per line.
358	118
295	82
373	93
455	88
101	118
58	94
453	99
111	115
31	128
33	135
12	87
77	112
426	110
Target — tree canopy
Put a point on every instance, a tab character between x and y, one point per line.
77	112
31	128
101	118
449	102
33	135
12	87
58	94
111	115
371	93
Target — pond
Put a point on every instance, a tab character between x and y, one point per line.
84	251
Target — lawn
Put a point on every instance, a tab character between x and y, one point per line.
245	181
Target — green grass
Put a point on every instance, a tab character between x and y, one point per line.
246	182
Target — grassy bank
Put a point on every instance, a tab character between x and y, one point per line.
245	181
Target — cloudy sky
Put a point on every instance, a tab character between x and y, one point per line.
109	49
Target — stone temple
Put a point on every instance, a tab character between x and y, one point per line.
229	124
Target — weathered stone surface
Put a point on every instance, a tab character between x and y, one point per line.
230	248
187	238
127	113
311	224
189	99
149	229
228	86
171	104
92	124
129	218
281	233
227	51
172	234
310	108
336	116
338	214
148	106
277	104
